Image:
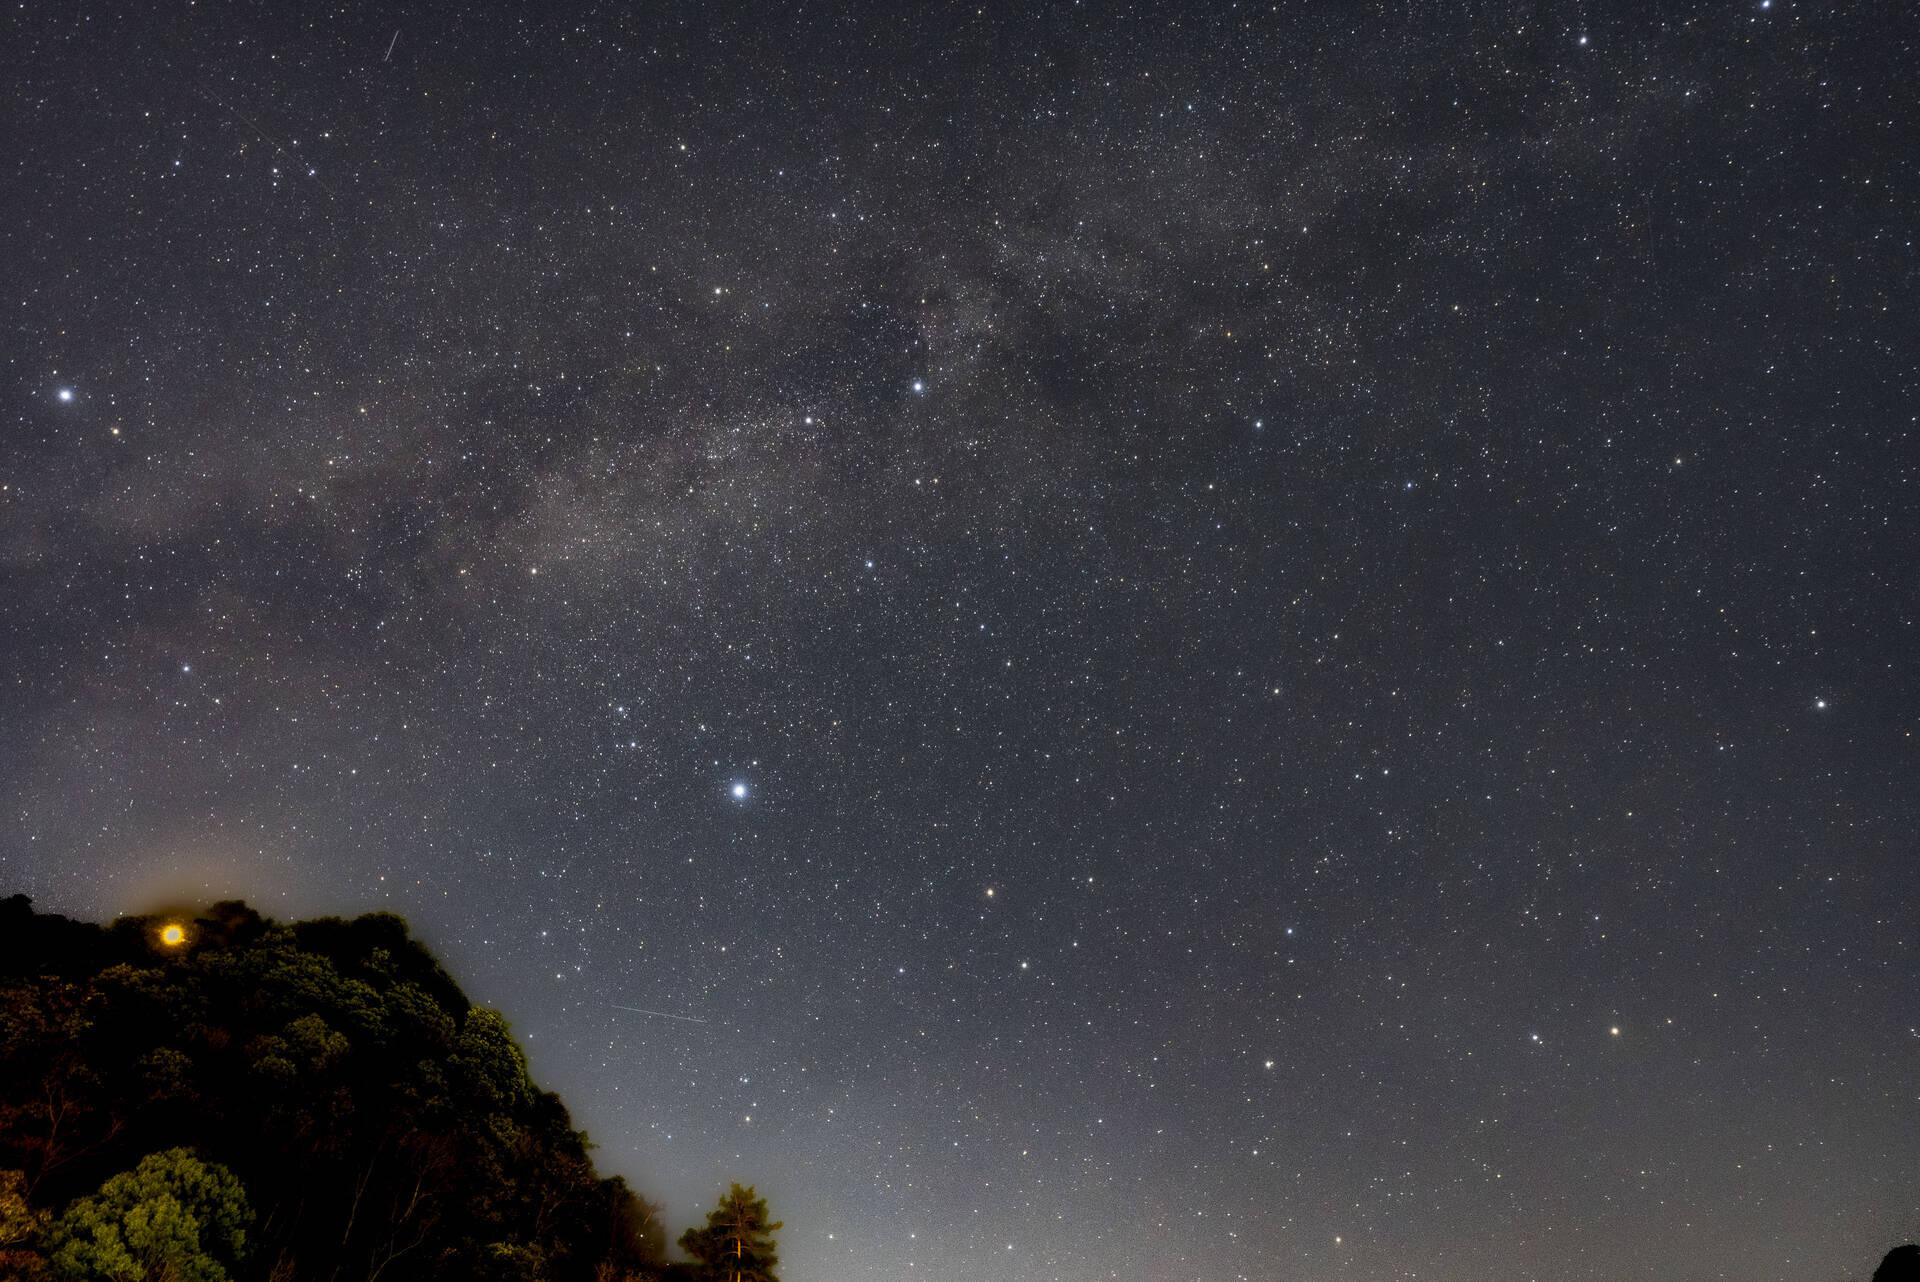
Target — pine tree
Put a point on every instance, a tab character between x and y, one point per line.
737	1243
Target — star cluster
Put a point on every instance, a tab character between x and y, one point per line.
1170	642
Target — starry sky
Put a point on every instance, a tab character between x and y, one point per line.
1191	642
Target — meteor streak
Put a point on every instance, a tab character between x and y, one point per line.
685	1019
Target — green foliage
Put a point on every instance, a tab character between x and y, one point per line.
737	1243
382	1126
173	1218
488	1064
22	1228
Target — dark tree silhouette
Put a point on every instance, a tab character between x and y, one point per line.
376	1124
1901	1265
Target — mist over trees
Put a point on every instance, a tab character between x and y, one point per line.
227	1098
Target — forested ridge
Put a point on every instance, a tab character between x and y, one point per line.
216	1095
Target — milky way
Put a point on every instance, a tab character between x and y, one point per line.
1204	642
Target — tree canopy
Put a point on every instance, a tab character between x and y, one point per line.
173	1218
737	1243
219	1096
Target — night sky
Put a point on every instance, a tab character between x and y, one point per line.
1164	643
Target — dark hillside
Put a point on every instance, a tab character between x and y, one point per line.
376	1122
